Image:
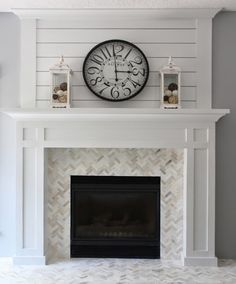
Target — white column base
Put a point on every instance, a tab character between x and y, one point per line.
200	261
29	260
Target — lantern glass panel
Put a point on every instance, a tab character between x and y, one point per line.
171	88
59	88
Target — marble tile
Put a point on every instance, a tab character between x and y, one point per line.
118	271
166	163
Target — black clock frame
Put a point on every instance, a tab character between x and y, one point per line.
107	42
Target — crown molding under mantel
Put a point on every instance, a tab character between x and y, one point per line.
174	13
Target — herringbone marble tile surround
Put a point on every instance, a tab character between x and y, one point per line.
62	163
118	271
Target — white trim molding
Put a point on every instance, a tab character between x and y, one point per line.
191	130
200	261
28	63
180	115
204	62
162	13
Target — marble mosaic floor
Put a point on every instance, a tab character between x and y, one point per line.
117	271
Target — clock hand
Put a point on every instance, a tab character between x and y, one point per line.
115	68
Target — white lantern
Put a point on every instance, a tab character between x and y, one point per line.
170	86
60	85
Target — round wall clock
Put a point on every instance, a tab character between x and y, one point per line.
115	70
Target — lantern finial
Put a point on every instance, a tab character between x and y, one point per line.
61	60
170	62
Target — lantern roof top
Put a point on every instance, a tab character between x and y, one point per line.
171	67
61	65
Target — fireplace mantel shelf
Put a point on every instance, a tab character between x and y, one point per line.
177	115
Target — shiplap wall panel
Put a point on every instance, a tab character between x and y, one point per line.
82	49
158	39
147	36
187	79
106	104
151	93
155	64
117	23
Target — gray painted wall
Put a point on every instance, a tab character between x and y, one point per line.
9	59
9	97
224	96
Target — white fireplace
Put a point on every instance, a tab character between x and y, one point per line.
190	129
91	123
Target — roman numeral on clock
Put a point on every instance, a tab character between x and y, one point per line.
134	83
97	59
128	53
108	55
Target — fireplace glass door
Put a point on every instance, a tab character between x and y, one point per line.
115	213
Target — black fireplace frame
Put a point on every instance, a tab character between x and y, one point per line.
124	247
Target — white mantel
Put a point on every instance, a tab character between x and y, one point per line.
190	129
180	115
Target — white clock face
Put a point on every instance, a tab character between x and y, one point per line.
115	70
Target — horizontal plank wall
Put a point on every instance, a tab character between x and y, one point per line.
187	38
157	38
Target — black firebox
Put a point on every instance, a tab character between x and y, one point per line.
115	216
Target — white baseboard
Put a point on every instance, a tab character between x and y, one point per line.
29	260
200	261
